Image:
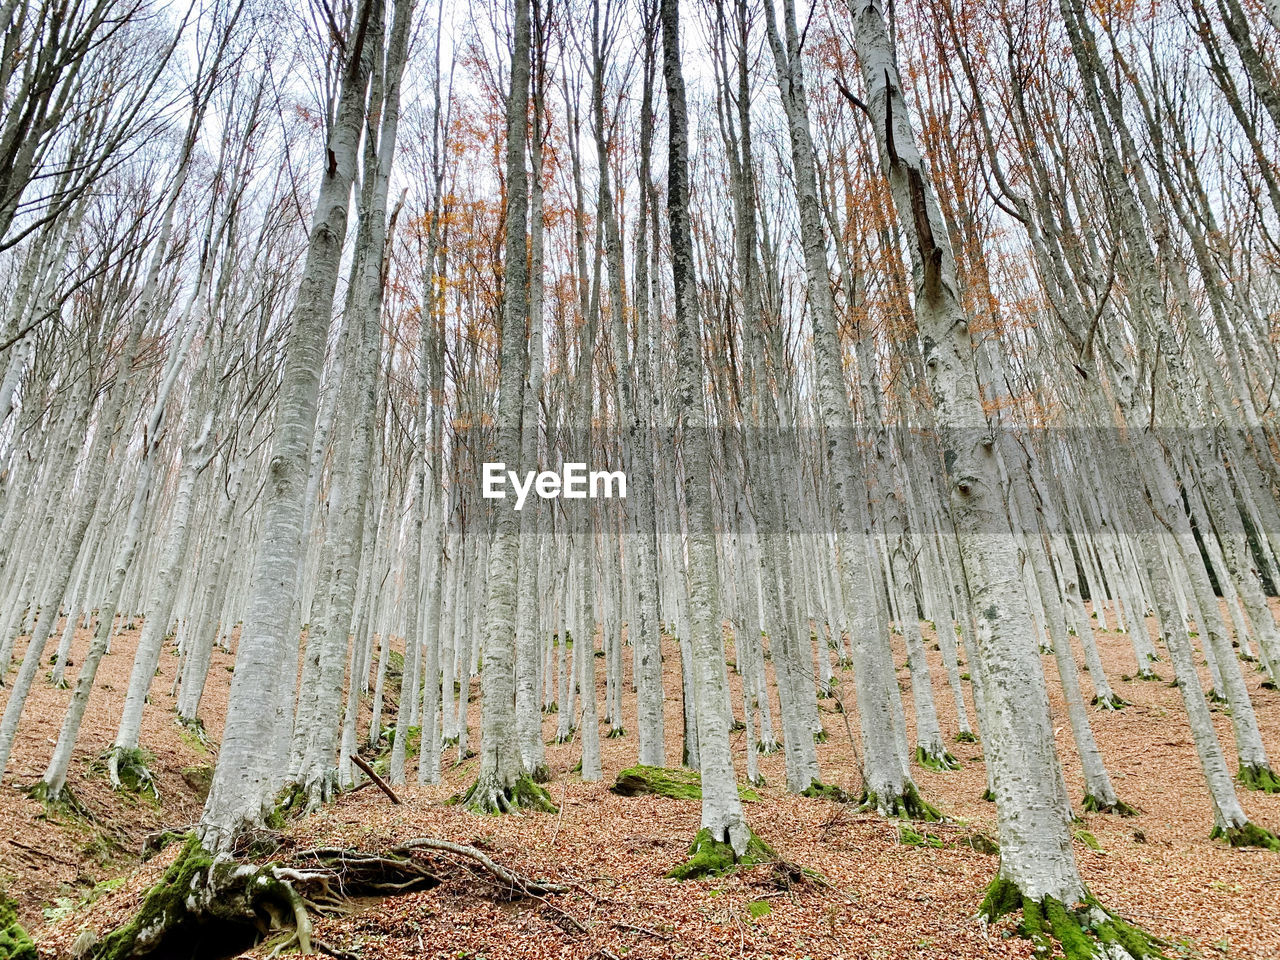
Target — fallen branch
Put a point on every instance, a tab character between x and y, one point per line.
513	879
360	762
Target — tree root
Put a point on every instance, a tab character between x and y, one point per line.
128	770
826	791
208	906
709	857
486	795
908	805
931	759
1257	777
1092	804
1113	702
1249	835
1084	931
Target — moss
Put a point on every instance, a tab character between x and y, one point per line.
966	736
908	836
616	733
199	779
988	795
1088	839
1250	835
524	794
1092	804
709	857
825	791
640	780
674	783
133	768
15	944
1113	702
164	905
1082	932
820	737
1255	777
908	805
1003	896
981	842
938	764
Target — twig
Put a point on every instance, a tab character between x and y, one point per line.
515	880
42	853
359	761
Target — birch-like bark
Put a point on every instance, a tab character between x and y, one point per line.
259	703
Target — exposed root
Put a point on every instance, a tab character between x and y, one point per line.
129	770
1093	805
486	795
826	791
1113	702
1084	931
1249	835
966	736
202	898
908	805
709	857
932	759
1258	777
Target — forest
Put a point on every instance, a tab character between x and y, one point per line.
639	478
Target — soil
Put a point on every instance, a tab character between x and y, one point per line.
877	896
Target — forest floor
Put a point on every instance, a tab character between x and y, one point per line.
878	898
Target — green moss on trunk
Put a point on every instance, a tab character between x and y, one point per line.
524	794
163	908
908	805
1250	835
1092	804
938	763
709	857
1084	931
1255	777
15	944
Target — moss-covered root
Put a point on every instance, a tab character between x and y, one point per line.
935	760
1084	931
1092	804
1258	777
825	791
1249	835
675	783
1113	702
200	895
129	770
908	805
486	795
709	857
14	942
